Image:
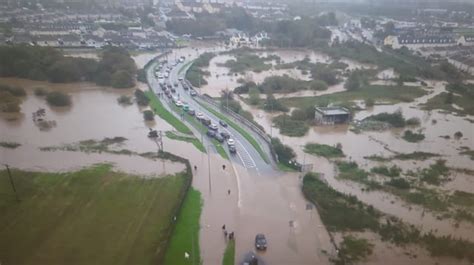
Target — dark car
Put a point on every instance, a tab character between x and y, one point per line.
211	133
191	112
222	123
232	149
225	135
260	242
219	138
206	121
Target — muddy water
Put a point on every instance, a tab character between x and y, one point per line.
94	114
356	146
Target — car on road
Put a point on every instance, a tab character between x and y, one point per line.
185	106
219	138
222	123
213	126
179	103
211	133
175	84
230	142
199	116
260	242
192	92
232	149
191	112
225	135
180	78
206	121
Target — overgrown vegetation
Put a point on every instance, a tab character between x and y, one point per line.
246	61
289	126
323	150
354	249
148	115
417	155
188	139
125	100
393	171
436	173
340	212
458	94
229	253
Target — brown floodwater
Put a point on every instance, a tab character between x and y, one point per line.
385	143
94	114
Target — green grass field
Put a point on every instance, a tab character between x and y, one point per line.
166	115
229	253
185	236
92	216
389	94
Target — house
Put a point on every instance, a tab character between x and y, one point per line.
332	115
420	41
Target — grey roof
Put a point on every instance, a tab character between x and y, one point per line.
332	110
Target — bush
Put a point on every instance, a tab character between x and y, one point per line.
284	152
254	96
141	98
272	104
354	249
58	99
412	137
14	90
318	85
395	119
141	75
458	135
323	150
148	115
369	102
394	171
125	100
413	122
245	88
289	126
398	183
40	92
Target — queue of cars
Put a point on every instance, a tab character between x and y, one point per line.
169	90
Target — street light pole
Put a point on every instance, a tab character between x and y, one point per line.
12	183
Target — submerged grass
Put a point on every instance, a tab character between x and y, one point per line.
10	145
192	140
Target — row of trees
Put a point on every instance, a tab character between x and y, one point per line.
115	68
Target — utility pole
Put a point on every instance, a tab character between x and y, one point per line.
12	183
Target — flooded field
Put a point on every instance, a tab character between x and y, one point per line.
94	114
356	146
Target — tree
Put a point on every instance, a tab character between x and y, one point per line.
284	152
122	79
148	115
272	104
353	82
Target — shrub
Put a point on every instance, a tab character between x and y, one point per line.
354	249
58	99
148	115
141	75
394	171
395	119
369	102
458	135
40	92
398	183
272	104
141	98
318	85
412	137
125	100
323	150
284	152
14	90
254	96
289	126
413	122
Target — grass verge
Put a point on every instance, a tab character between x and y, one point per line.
159	109
242	131
192	140
91	216
229	253
185	238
